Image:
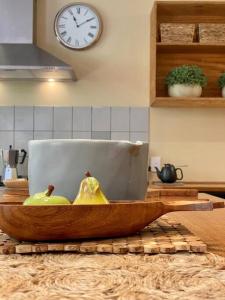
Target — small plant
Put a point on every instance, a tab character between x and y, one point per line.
221	81
187	75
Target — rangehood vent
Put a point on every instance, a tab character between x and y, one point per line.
20	59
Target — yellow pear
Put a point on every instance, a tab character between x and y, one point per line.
90	192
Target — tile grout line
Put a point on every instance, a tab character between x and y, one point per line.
129	123
33	119
72	125
52	122
110	122
53	117
148	131
91	120
34	109
14	126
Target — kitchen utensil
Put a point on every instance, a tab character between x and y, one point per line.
168	173
68	222
12	156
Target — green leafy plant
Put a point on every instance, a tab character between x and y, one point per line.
221	81
186	74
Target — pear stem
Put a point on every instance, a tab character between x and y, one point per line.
50	190
88	174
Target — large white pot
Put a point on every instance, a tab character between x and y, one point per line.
120	166
223	92
183	90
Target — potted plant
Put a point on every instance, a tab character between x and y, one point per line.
186	81
221	82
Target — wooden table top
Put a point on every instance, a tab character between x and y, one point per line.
198	185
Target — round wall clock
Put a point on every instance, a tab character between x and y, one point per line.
78	26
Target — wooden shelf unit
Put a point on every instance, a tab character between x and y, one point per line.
189	48
189	102
165	56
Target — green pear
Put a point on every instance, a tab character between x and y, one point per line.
90	192
46	198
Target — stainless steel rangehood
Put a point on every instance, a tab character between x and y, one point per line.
20	59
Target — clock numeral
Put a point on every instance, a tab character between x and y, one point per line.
77	43
63	33
86	12
78	10
93	27
62	26
64	18
86	42
91	34
70	11
69	40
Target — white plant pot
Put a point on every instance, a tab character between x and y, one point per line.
223	92
183	90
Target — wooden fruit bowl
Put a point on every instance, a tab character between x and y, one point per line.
69	222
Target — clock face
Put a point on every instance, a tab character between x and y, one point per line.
78	26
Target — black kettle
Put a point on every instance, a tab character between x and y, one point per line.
168	174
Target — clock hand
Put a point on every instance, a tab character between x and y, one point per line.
76	21
88	20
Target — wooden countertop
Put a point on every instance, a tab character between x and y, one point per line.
198	185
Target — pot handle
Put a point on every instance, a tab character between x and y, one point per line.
181	174
24	156
187	205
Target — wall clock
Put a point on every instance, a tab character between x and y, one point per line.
78	26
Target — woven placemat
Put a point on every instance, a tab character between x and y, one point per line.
162	236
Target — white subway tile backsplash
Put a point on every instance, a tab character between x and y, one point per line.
100	135
82	135
22	138
139	136
20	124
119	135
43	118
139	119
62	119
24	118
82	119
43	135
101	119
62	134
120	119
6	139
6	118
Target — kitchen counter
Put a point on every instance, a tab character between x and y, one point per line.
201	186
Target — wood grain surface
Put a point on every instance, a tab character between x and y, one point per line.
210	227
64	222
211	63
200	186
210	57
